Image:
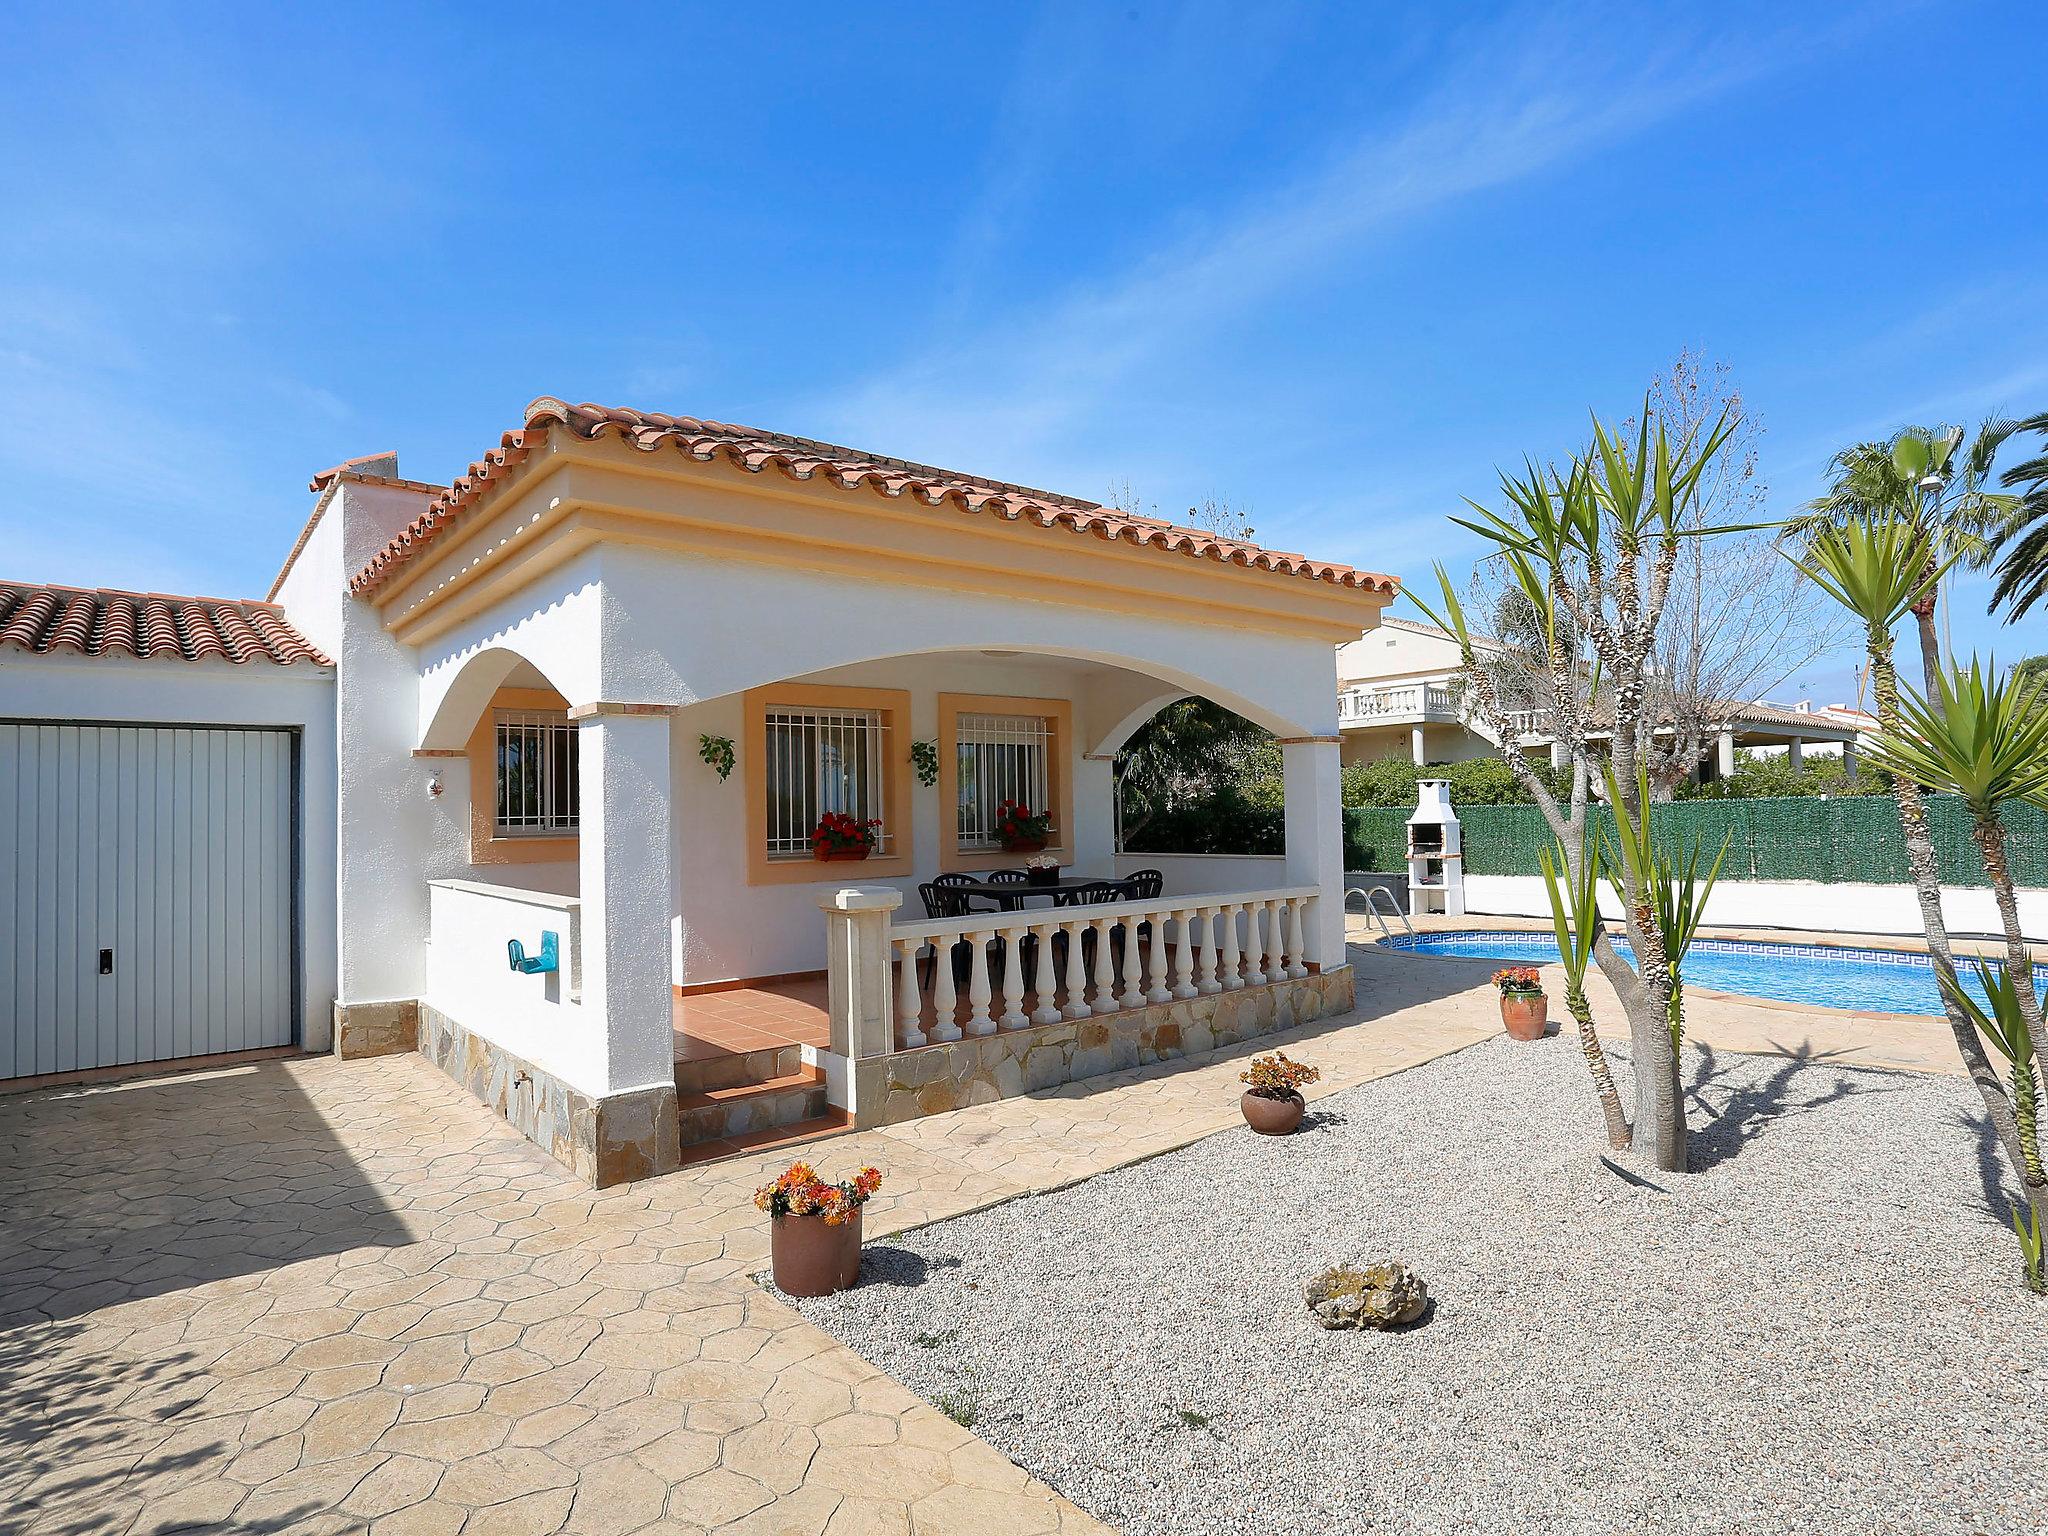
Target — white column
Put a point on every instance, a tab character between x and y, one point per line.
1795	753
1849	758
1560	755
1312	774
859	976
1416	749
626	867
1093	838
1724	749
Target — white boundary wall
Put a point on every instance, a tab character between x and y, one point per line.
1798	904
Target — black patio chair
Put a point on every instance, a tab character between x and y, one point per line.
942	900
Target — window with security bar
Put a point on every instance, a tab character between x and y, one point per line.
822	760
999	758
537	774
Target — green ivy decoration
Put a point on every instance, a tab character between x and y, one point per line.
717	751
925	755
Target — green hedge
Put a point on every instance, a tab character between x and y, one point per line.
1799	838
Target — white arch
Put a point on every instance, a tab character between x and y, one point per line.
468	694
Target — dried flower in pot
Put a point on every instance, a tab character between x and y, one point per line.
1272	1101
814	1228
1524	1010
1041	869
838	836
1384	1295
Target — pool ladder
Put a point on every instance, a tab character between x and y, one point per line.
1371	909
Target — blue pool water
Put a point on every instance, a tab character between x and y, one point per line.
1883	981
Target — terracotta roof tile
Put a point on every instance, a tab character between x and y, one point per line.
147	626
803	459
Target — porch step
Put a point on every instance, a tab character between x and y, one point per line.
721	1114
737	1069
834	1122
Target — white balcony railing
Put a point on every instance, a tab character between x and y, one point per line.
1076	962
1398	701
1530	722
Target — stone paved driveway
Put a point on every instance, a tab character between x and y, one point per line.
323	1297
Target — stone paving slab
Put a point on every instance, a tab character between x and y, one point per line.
321	1296
329	1296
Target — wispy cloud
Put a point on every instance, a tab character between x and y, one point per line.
1522	100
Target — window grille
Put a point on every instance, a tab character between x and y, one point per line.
998	758
537	774
823	760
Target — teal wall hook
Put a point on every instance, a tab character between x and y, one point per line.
546	960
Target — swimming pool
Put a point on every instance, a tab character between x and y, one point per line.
1822	975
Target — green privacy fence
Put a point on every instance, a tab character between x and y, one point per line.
1804	838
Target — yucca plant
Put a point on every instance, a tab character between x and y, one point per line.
1985	739
1677	894
1574	887
2006	1025
1878	568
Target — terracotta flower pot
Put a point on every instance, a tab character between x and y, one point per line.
1025	845
1272	1117
811	1257
837	855
1526	1014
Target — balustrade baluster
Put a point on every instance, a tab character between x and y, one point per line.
1014	981
909	996
1230	968
1297	959
1105	967
1077	971
1048	1009
1133	995
1276	964
1205	952
1184	959
979	993
1161	992
945	1000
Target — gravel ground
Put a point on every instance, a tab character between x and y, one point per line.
1821	1328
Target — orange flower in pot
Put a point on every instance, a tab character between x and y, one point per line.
814	1228
1272	1103
838	836
1524	1010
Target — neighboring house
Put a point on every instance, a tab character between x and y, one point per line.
515	741
1397	696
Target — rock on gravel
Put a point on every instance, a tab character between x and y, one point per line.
1819	1329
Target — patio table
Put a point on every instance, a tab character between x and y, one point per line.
1010	896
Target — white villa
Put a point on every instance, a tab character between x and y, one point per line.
1396	698
484	722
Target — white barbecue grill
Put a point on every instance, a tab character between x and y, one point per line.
1436	855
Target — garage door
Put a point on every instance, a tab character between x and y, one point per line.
147	894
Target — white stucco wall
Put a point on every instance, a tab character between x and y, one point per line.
1842	908
77	689
726	928
1190	874
392	836
469	975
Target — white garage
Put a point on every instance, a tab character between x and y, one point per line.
166	832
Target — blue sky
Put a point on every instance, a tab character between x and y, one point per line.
1334	263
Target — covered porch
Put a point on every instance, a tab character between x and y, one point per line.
637	711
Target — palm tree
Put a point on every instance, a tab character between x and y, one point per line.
2022	544
1880	569
2007	1027
1919	477
1985	739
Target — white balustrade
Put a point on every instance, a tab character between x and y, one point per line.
1090	961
